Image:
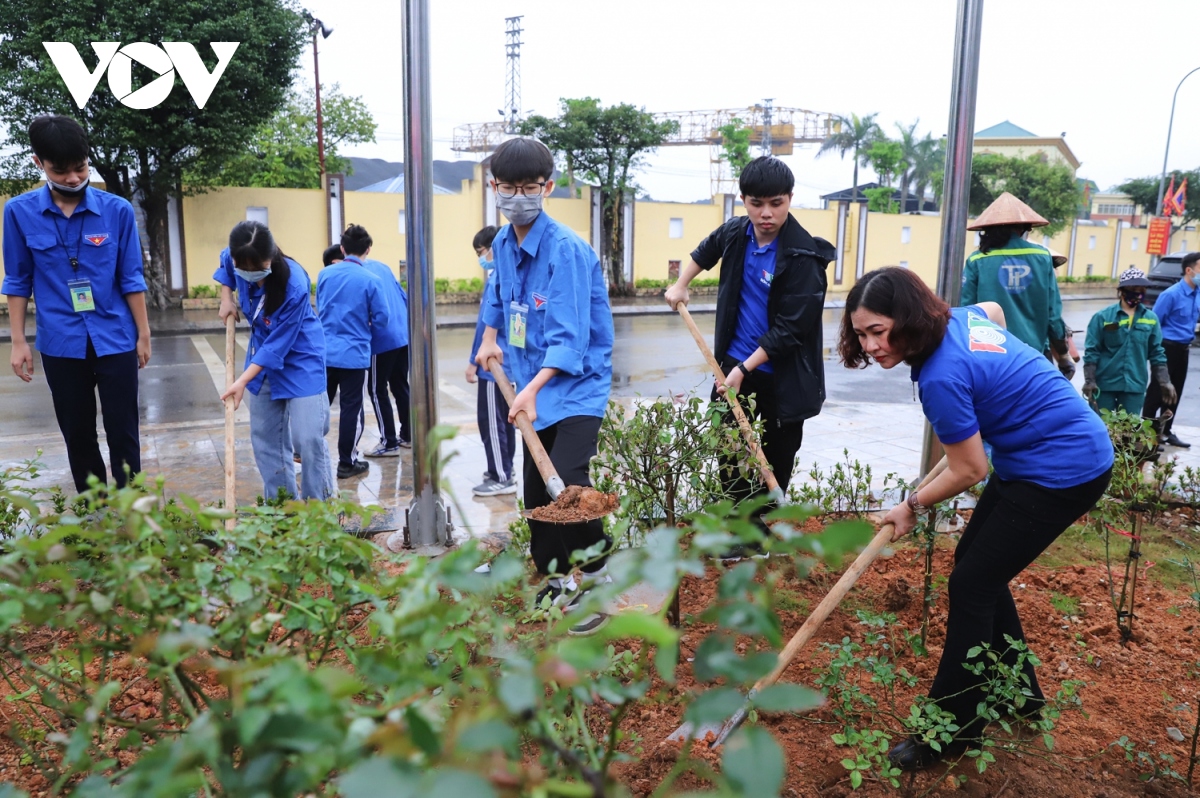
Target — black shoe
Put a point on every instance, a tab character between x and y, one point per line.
1172	440
912	754
345	471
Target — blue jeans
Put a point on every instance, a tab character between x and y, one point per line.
278	425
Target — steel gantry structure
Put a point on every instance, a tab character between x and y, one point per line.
773	128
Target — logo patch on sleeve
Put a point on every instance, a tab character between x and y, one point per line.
539	301
97	238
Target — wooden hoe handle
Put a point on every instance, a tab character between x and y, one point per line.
230	418
554	483
764	467
839	591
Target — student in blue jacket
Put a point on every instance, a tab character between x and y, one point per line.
285	365
353	308
498	434
549	296
1052	456
389	347
75	250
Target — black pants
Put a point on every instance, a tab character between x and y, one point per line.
390	370
498	435
1013	523
780	442
350	425
1177	366
571	444
73	385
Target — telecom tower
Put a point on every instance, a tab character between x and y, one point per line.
512	85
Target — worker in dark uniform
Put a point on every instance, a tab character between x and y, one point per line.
1121	339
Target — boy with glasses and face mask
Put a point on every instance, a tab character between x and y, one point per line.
76	250
1120	340
549	297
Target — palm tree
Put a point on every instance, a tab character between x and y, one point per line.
928	161
908	155
856	134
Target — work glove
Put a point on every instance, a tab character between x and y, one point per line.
1090	388
1169	396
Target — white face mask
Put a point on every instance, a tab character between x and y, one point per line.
520	210
252	277
70	191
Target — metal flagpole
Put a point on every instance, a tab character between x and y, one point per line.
427	522
956	188
1162	179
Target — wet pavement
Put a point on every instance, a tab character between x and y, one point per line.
871	413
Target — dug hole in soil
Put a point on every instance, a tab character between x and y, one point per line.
1135	690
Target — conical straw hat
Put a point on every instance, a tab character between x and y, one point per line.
1056	257
1007	209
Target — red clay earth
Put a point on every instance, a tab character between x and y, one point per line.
576	504
1130	689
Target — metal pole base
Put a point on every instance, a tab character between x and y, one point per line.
427	527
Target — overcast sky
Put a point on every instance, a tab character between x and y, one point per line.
1101	71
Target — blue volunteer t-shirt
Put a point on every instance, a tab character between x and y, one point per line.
759	270
983	379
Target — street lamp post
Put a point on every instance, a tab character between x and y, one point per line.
1162	179
318	27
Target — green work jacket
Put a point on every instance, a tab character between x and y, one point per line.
1020	278
1121	346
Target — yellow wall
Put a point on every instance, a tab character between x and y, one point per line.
294	215
652	246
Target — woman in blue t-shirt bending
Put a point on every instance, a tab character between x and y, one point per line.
1052	457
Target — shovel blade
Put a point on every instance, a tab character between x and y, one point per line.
713	734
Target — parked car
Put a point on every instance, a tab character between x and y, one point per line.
1167	272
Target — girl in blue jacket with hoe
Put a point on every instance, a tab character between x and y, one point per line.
1052	458
285	366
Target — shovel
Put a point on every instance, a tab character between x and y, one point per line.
230	465
764	468
804	634
554	483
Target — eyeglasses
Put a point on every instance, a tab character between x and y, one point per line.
508	190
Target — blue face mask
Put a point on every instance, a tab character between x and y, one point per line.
484	262
252	277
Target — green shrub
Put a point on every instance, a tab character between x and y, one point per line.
205	292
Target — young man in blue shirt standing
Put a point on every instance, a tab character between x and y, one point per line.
548	294
389	347
354	309
769	305
498	434
76	251
1177	309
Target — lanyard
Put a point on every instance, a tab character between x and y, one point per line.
72	259
258	309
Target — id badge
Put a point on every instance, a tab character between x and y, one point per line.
517	317
81	295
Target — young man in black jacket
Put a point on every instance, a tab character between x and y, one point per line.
769	305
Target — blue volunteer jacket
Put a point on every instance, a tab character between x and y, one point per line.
351	305
287	342
394	334
557	277
39	242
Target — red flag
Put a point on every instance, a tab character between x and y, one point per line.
1180	199
1167	206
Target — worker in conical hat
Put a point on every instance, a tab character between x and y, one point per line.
1121	339
1019	276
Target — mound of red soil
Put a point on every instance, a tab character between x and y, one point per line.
576	504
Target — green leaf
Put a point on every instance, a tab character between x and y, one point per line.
378	776
715	706
1048	741
240	591
518	692
643	627
974	652
753	762
100	602
456	782
422	733
856	779
488	736
787	698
